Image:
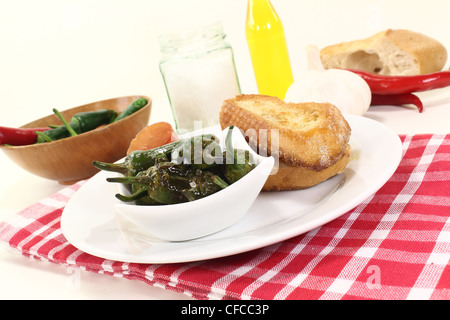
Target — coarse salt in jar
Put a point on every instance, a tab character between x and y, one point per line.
199	74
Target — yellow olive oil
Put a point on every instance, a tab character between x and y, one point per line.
268	49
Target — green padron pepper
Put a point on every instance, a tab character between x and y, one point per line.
141	160
173	173
80	122
132	108
239	162
170	183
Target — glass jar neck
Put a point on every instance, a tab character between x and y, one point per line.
191	42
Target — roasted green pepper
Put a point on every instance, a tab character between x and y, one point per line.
181	171
170	183
202	184
200	151
141	160
139	191
239	162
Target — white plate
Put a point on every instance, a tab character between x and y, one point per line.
89	220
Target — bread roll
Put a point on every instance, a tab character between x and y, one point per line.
390	52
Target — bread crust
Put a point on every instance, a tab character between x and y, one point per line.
390	52
311	135
289	177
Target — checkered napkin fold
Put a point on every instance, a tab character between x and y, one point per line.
394	245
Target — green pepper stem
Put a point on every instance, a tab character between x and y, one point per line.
68	127
120	180
114	167
229	150
228	143
137	195
138	180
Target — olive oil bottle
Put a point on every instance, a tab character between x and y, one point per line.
268	49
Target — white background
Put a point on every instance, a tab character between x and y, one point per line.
67	53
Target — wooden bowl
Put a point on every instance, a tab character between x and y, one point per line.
70	160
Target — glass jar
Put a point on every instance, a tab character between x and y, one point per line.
199	74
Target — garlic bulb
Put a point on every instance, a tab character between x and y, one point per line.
344	89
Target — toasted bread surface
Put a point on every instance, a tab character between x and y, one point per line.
311	135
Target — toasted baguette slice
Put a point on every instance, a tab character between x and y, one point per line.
311	135
289	177
390	52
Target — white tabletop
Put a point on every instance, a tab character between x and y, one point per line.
64	54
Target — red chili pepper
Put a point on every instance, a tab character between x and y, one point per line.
19	136
396	100
382	84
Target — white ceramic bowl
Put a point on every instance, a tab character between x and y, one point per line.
184	221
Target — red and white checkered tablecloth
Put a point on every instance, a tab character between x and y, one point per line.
394	245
